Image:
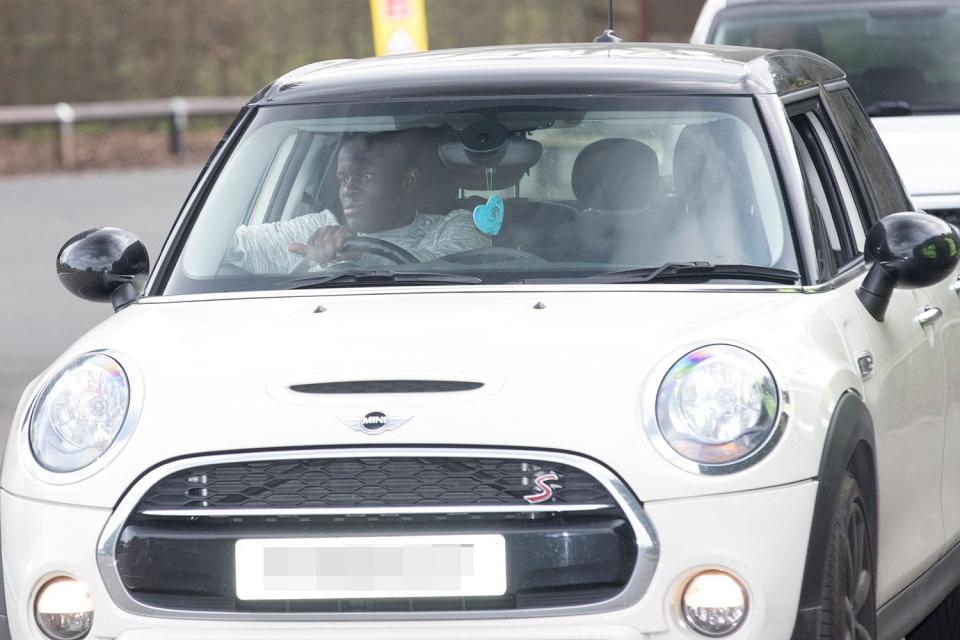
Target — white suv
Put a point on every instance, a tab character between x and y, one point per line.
600	341
902	57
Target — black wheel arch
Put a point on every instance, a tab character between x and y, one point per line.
850	446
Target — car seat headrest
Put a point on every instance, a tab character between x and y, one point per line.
616	174
706	155
712	180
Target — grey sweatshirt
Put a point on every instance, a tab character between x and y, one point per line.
264	248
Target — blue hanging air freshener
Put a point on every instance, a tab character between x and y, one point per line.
488	217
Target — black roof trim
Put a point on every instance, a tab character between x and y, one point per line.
621	68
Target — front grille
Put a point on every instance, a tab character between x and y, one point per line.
368	482
171	548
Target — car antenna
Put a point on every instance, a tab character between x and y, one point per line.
609	35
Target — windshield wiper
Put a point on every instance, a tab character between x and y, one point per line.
696	270
372	278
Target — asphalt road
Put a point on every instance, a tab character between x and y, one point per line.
38	317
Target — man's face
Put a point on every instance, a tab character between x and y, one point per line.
376	180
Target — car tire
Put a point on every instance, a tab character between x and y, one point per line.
849	591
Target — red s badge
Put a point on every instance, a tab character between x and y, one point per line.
544	491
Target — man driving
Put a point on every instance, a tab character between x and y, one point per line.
379	177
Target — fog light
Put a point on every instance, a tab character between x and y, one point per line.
64	609
714	603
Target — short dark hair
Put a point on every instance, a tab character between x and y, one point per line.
402	140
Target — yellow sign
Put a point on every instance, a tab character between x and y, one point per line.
399	26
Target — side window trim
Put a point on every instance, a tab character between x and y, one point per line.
836	214
855	212
872	178
883	148
829	193
868	206
776	126
825	259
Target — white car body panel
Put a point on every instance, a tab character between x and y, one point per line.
945	295
212	376
906	398
701	30
226	384
925	149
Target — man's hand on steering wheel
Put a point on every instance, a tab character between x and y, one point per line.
325	245
342	244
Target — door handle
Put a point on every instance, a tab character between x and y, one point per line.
928	315
955	287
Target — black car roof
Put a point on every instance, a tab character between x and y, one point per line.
554	69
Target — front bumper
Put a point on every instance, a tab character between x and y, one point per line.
759	535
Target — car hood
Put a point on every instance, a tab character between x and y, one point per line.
560	371
924	149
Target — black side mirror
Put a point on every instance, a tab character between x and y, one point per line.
104	264
906	250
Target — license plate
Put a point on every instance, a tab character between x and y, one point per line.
372	567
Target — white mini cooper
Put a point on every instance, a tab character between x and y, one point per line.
601	341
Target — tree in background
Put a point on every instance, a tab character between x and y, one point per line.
82	50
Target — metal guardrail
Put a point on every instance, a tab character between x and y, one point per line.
64	116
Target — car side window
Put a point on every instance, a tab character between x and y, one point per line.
317	169
835	217
870	156
260	209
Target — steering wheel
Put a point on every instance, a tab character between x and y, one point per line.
366	244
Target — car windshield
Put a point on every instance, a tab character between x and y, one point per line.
492	191
900	58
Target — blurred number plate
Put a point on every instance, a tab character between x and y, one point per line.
383	567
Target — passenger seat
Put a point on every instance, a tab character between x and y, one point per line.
617	184
616	174
719	220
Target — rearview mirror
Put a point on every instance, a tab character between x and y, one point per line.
907	251
104	264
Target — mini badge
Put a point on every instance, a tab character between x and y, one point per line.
488	217
544	491
375	422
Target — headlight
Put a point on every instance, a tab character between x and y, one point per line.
79	413
717	405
